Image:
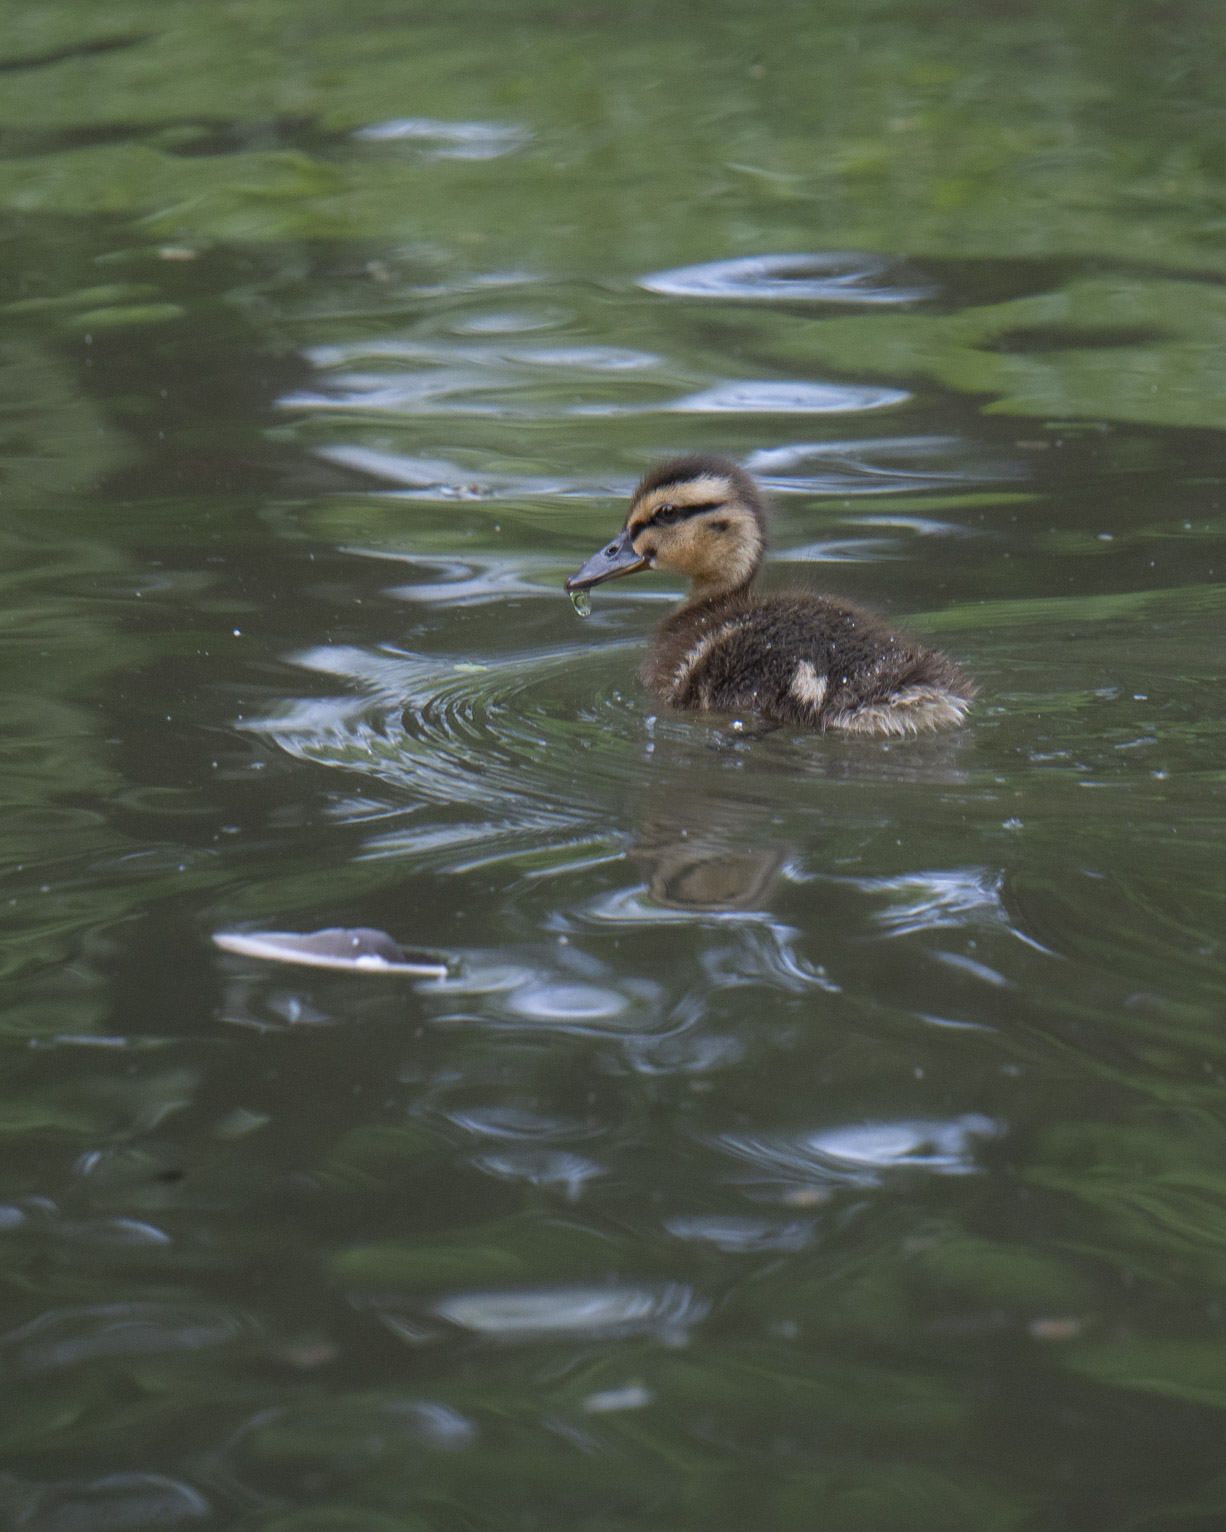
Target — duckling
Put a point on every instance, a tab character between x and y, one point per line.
791	658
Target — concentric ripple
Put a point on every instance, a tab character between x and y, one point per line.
512	751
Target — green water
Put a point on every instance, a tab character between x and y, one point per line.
808	1133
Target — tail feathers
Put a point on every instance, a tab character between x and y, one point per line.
910	710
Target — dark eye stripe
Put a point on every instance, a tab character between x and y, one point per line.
684	512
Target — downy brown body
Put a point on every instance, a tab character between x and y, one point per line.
791	658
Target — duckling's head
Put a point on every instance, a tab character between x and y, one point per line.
701	517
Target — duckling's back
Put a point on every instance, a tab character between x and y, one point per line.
807	660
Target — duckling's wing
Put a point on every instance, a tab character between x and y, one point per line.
748	661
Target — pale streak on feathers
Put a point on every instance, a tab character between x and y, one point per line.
694	657
913	710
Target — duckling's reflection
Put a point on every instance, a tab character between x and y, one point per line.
695	871
708	848
714	854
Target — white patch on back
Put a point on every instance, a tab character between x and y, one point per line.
808	687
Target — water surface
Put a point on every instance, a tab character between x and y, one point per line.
805	1131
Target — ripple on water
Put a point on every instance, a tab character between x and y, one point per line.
750	946
632	1006
873	466
784	398
863	1154
832	276
437	479
508	321
405	378
476	582
510	396
665	1310
512	1122
568	1002
509	746
542	1167
312	1438
443	140
880	465
68	1337
115	1502
586	358
742	1235
40	1216
956	898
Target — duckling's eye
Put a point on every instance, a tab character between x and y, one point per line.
666	515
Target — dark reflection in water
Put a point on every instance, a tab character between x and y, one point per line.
800	1129
701	862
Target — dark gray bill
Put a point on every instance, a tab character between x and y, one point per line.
618	559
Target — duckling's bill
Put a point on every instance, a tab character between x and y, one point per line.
611	563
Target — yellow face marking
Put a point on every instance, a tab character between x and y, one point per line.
704	491
717	548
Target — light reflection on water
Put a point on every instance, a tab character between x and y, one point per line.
452	390
543	1167
449	140
666	1312
862	1154
117	1499
853	467
824	277
71	1337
